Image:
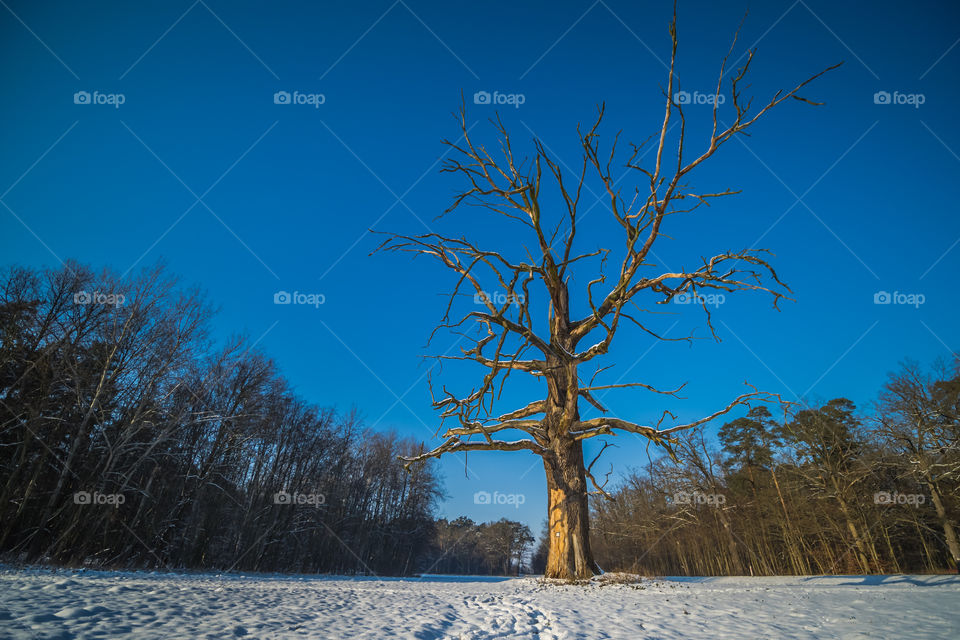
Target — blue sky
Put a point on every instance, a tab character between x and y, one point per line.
201	168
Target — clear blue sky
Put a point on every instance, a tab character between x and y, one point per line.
854	197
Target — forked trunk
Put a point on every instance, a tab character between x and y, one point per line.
570	557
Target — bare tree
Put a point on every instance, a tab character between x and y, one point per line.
511	336
918	415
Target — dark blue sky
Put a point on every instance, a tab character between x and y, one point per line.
198	166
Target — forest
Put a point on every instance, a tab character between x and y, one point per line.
130	438
829	490
195	442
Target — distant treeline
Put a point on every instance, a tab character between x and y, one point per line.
826	490
464	547
128	439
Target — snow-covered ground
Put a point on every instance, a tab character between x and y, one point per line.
65	604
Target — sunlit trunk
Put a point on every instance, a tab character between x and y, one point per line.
949	533
569	557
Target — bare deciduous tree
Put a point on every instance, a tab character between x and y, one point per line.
513	337
919	417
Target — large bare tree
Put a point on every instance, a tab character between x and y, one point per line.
508	333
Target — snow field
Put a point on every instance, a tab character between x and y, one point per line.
41	604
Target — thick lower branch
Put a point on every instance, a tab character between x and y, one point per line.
478	428
455	445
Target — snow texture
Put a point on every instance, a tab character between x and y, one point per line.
63	604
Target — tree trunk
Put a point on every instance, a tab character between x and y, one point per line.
569	557
858	542
735	565
568	508
949	533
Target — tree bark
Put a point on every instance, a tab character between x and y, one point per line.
569	556
949	533
858	543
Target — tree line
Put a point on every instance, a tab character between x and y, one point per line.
464	547
823	489
129	438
